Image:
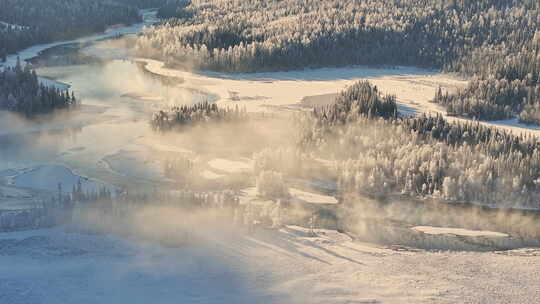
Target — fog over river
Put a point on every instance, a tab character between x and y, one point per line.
109	139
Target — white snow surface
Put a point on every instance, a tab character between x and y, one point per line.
458	231
272	91
311	198
230	166
285	266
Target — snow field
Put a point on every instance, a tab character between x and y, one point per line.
285	266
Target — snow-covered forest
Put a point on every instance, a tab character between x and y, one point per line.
196	114
424	156
495	42
421	157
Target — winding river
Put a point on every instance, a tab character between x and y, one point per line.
108	142
106	138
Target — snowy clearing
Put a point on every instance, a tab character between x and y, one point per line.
286	266
267	91
294	90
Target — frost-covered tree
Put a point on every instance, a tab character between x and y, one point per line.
202	113
422	156
21	91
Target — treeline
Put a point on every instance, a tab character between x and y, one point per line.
21	92
376	154
24	23
196	114
220	208
493	99
245	36
144	4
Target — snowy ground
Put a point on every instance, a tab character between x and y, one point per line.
413	87
286	266
458	231
270	92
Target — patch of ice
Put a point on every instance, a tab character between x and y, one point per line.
458	231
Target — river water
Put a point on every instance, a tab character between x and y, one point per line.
104	139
